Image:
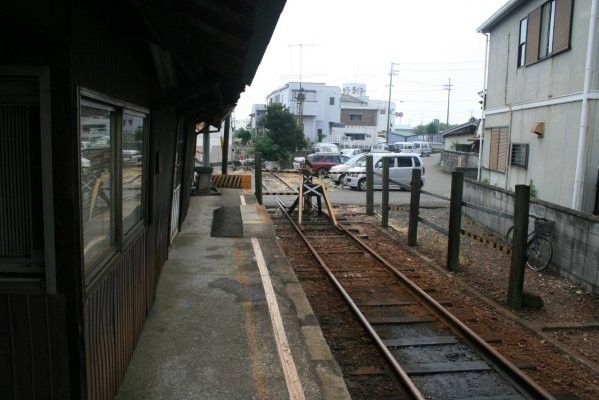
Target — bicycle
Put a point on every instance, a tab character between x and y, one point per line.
539	250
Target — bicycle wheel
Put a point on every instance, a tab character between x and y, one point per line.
538	253
509	237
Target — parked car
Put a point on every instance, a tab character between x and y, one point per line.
351	152
337	172
400	171
422	148
379	147
320	163
403	147
325	148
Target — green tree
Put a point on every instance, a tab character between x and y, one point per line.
282	134
320	137
432	128
244	135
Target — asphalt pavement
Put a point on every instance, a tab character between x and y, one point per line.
437	182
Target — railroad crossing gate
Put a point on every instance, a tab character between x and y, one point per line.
307	191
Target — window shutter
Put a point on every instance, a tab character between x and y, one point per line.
493	149
503	150
532	36
563	20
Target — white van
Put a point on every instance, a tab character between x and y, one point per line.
422	148
403	147
379	147
400	171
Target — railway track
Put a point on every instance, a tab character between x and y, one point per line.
429	353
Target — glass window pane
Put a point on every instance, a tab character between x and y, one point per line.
132	176
97	197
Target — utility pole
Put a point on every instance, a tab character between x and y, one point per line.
301	97
391	73
448	88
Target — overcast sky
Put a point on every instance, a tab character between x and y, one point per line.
355	41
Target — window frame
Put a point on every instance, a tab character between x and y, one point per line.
519	151
43	101
547	28
522	42
138	226
122	240
548	31
498	149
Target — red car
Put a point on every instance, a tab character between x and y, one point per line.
320	163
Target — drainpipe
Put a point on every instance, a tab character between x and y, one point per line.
581	157
482	117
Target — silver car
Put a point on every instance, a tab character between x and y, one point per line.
400	171
337	172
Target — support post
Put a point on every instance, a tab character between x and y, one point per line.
385	194
258	177
414	207
225	146
515	294
455	221
369	186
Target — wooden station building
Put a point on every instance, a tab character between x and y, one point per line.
100	105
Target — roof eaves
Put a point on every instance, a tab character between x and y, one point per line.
505	10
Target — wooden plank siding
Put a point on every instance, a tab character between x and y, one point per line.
115	308
78	344
33	348
115	312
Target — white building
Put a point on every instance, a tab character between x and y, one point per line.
542	109
317	108
255	125
330	114
363	121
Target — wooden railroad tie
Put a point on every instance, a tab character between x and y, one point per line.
487	241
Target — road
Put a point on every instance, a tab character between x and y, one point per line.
437	182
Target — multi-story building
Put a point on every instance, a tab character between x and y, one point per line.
362	119
541	108
316	105
255	125
330	114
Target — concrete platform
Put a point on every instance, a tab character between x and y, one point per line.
230	320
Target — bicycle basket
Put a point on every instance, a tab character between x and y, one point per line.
543	226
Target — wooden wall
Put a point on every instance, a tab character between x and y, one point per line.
33	347
119	66
90	333
115	312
